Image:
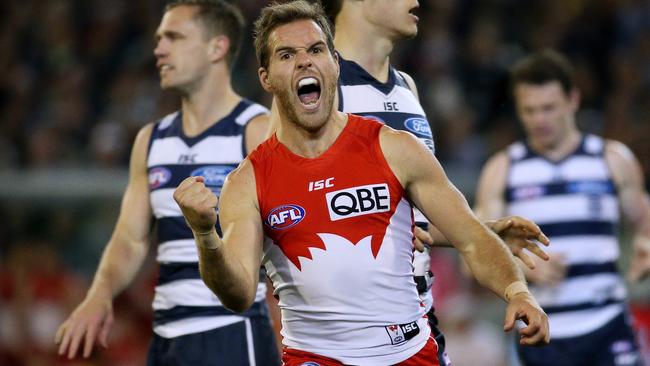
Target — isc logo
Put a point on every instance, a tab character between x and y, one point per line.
356	201
400	333
320	184
284	217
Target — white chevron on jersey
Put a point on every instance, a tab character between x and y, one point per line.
310	317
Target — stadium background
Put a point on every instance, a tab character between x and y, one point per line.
78	81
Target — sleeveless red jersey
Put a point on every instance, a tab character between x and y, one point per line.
341	249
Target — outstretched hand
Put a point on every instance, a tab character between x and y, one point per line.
520	233
89	322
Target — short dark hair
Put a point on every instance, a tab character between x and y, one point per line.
541	68
219	18
332	8
278	14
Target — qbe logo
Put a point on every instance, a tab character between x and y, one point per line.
284	217
357	201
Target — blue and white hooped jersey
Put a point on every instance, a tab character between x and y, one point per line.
394	104
182	303
574	201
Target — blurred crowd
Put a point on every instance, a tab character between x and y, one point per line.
79	80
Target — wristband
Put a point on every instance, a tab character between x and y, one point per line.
514	288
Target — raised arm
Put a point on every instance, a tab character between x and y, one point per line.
230	265
487	256
634	202
121	260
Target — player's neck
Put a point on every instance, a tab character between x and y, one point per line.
207	104
365	48
560	150
311	144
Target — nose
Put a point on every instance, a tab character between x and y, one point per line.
303	60
159	50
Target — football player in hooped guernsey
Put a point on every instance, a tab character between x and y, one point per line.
332	191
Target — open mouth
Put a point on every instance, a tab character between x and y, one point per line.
412	12
164	68
309	91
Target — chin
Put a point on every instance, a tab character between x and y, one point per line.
410	33
166	85
312	123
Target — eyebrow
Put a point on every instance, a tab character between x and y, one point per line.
289	48
168	33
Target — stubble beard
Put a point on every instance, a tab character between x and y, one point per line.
309	123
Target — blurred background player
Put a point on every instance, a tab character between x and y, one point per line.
197	42
573	185
366	32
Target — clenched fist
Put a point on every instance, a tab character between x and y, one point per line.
198	203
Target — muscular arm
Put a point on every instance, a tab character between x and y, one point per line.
634	203
129	243
230	265
120	262
487	256
428	187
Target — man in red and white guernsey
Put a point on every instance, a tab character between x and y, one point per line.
334	193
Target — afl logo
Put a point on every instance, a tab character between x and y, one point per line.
284	217
158	177
418	126
215	175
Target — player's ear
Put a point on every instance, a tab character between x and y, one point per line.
263	74
338	65
218	48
